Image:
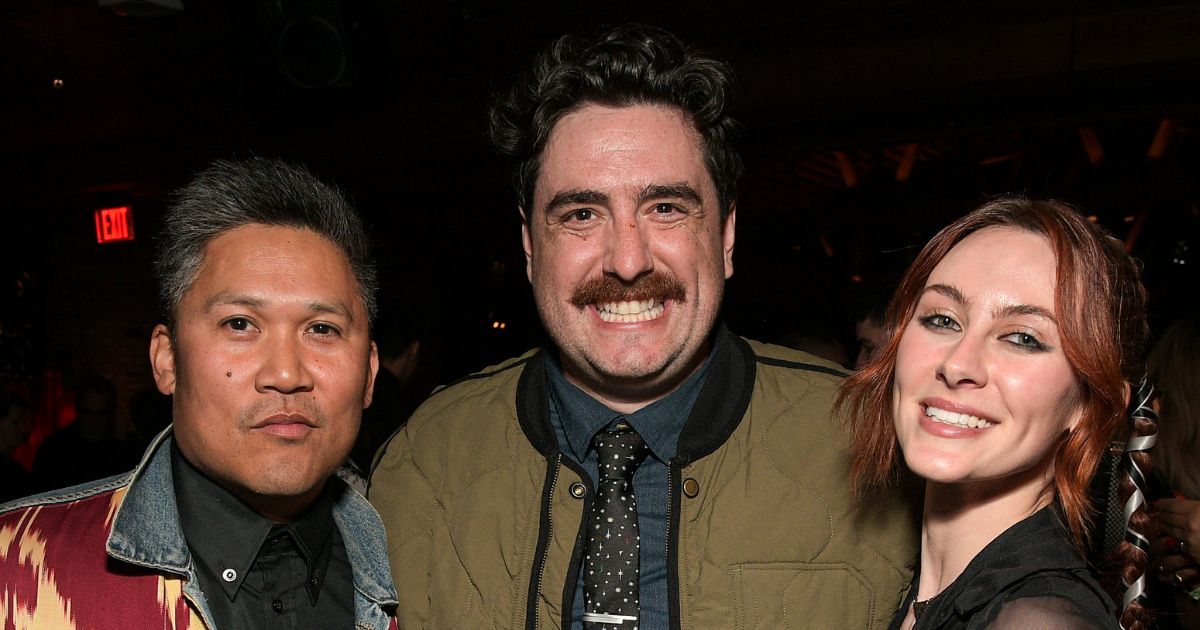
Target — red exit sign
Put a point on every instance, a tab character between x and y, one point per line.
114	224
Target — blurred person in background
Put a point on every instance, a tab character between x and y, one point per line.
89	448
816	337
870	321
408	371
1174	367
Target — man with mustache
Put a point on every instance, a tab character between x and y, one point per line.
233	518
650	469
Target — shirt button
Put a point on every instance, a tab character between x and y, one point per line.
229	575
578	490
691	488
277	606
315	582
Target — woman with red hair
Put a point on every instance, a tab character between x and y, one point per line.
1013	342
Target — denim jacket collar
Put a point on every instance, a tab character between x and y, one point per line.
366	546
146	532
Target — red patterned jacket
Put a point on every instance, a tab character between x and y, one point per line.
110	555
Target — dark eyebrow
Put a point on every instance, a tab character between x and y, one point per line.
1024	309
572	197
680	190
250	301
948	291
336	308
1000	313
225	297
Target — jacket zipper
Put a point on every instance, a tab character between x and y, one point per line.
549	536
670	488
673	604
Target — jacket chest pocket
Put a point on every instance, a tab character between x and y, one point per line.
776	595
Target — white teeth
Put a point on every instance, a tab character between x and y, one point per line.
957	419
630	312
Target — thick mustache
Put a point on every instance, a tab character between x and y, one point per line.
605	288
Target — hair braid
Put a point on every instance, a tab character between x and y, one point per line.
1133	553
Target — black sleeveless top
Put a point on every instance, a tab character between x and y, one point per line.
1030	576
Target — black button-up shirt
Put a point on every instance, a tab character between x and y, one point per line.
259	574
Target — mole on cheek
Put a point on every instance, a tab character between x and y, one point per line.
229	375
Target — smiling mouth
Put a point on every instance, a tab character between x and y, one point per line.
629	312
618	302
951	418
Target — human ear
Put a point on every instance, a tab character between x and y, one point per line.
372	370
162	359
526	244
727	238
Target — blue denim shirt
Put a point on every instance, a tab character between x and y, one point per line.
146	532
576	418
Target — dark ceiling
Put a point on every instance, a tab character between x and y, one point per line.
144	99
840	99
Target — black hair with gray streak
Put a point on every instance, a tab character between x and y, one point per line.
229	194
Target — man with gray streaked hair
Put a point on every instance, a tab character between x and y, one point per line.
233	518
229	194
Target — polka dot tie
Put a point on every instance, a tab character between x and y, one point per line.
610	581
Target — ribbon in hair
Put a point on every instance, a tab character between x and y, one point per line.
1139	409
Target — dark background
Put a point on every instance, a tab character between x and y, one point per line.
387	100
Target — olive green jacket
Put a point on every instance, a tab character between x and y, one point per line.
484	514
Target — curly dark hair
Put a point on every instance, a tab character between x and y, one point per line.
621	67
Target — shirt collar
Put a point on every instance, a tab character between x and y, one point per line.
226	534
659	423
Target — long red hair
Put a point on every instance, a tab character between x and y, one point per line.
1104	345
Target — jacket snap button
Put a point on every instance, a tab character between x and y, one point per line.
691	488
578	490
